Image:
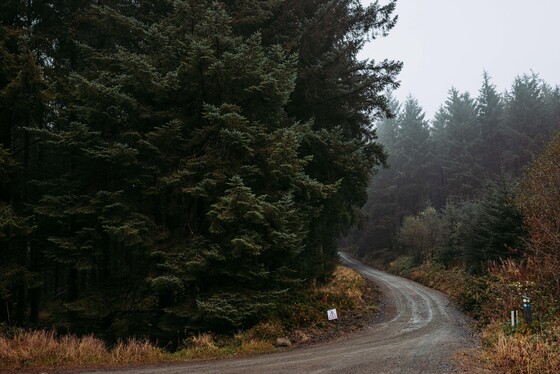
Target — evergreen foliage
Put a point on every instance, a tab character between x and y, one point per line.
496	231
457	165
490	108
180	165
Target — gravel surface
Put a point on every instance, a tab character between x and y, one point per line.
418	331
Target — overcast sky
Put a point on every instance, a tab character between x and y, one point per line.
445	43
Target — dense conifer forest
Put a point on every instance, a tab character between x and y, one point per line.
469	205
451	189
183	165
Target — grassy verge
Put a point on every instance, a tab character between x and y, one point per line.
43	350
522	351
298	323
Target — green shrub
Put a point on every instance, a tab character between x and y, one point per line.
402	265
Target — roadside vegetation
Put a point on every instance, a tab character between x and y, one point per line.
295	324
488	254
21	349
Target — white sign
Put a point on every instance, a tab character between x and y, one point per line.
331	314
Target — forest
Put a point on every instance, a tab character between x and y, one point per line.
175	167
469	205
179	166
450	189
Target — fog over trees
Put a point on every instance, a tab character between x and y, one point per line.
456	175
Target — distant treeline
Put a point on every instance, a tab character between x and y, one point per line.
176	166
451	183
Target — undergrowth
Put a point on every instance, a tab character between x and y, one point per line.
43	349
22	349
522	351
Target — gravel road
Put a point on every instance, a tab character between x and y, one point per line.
419	331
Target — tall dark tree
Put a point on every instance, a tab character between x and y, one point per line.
342	95
527	127
496	231
490	117
165	163
23	104
381	210
461	162
413	158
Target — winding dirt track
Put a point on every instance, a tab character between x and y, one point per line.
419	332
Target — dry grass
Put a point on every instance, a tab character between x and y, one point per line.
469	361
523	352
203	341
252	346
301	337
201	346
267	331
346	288
42	349
136	351
204	347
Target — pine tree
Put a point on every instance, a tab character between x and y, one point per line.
461	162
496	232
23	105
527	128
490	109
343	96
161	169
168	123
96	230
382	220
412	158
439	136
404	188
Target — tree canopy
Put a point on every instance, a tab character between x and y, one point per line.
465	163
180	165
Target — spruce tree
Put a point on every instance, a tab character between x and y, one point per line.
490	109
412	158
23	104
381	218
496	232
343	96
527	128
160	168
461	161
404	187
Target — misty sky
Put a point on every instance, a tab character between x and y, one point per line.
445	43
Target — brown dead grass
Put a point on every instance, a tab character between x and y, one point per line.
346	288
205	346
45	351
42	349
253	346
523	352
136	351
